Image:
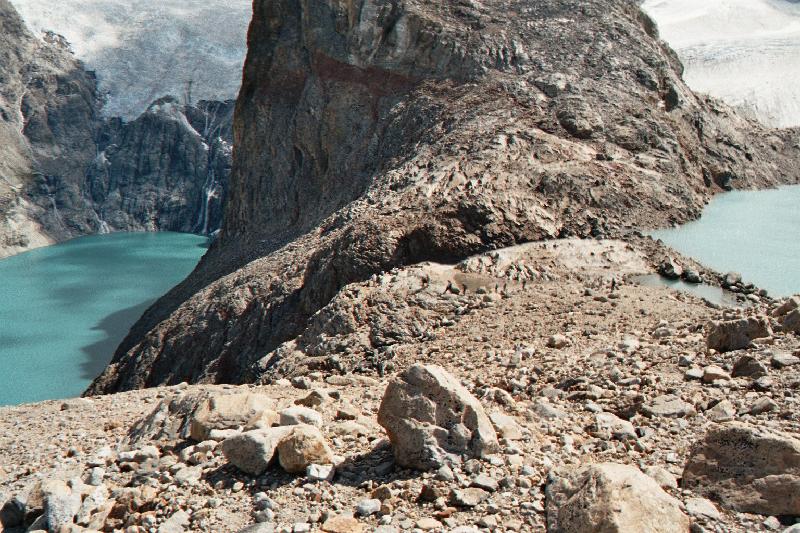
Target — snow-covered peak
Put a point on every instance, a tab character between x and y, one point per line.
145	49
746	52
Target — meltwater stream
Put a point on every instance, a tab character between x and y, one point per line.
65	308
755	233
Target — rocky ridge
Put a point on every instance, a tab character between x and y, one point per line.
399	133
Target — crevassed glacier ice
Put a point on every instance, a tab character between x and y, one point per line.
142	50
746	52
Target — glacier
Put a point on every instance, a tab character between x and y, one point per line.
142	50
746	52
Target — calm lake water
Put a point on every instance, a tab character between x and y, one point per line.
756	233
65	308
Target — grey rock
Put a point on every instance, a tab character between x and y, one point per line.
177	523
714	373
469	497
788	306
320	472
227	411
611	424
668	406
724	411
368	507
670	269
662	476
784	359
12	514
791	322
749	366
726	336
763	405
506	426
429	415
253	451
701	507
611	498
61	504
747	469
300	415
487	483
548	411
692	276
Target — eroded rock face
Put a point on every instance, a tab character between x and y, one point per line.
429	415
611	498
747	469
373	134
68	171
737	334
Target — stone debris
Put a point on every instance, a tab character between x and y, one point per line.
617	394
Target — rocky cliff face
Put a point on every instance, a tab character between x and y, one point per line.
68	171
377	133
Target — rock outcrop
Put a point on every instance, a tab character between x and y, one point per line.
375	134
748	469
67	171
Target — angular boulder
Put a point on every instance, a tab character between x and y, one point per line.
791	322
748	469
253	451
611	498
788	306
429	415
229	411
729	335
302	447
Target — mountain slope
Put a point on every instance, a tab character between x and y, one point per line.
142	51
373	134
744	51
66	170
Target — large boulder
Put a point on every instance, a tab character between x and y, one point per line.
726	336
791	322
748	469
611	498
429	415
229	411
253	451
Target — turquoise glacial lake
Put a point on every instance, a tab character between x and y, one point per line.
755	233
65	308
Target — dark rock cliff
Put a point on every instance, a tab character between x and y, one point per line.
378	133
68	171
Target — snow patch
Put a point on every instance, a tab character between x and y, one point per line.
746	52
142	50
